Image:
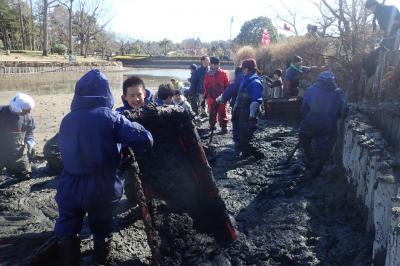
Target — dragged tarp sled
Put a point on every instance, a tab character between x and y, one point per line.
176	170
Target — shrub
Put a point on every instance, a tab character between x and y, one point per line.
313	50
243	53
60	49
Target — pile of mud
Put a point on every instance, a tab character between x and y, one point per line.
281	219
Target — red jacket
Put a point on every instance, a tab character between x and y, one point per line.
215	83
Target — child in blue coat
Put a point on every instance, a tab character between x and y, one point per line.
89	183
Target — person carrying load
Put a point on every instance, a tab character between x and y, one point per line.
16	136
88	138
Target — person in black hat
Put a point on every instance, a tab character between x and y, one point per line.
388	18
215	83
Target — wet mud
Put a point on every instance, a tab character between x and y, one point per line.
281	218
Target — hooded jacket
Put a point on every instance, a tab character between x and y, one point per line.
147	99
88	140
324	103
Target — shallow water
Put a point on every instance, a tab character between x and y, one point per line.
64	82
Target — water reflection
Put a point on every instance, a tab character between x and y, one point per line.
62	83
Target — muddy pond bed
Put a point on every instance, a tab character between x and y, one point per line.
281	219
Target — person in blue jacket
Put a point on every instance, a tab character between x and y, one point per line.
134	94
196	90
323	104
232	90
245	110
88	138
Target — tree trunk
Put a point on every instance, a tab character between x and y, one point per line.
87	47
21	24
45	32
7	44
32	37
70	28
81	45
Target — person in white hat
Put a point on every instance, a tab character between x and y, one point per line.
16	135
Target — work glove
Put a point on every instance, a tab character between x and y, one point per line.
31	148
219	100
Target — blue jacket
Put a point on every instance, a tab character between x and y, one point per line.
88	140
252	86
232	90
194	81
324	103
200	74
147	99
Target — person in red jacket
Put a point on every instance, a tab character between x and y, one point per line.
215	83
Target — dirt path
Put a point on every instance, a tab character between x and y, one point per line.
281	219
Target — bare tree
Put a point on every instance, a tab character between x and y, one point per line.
32	37
165	44
46	5
68	4
347	26
325	21
288	17
22	25
87	25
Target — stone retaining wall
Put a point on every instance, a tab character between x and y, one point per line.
370	166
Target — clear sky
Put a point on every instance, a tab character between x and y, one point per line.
207	19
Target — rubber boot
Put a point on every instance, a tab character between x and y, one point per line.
69	250
306	143
317	168
314	170
236	151
102	250
212	127
257	153
224	130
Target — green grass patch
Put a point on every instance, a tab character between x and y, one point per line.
129	57
27	52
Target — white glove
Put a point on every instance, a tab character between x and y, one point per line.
219	99
31	148
254	109
31	144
